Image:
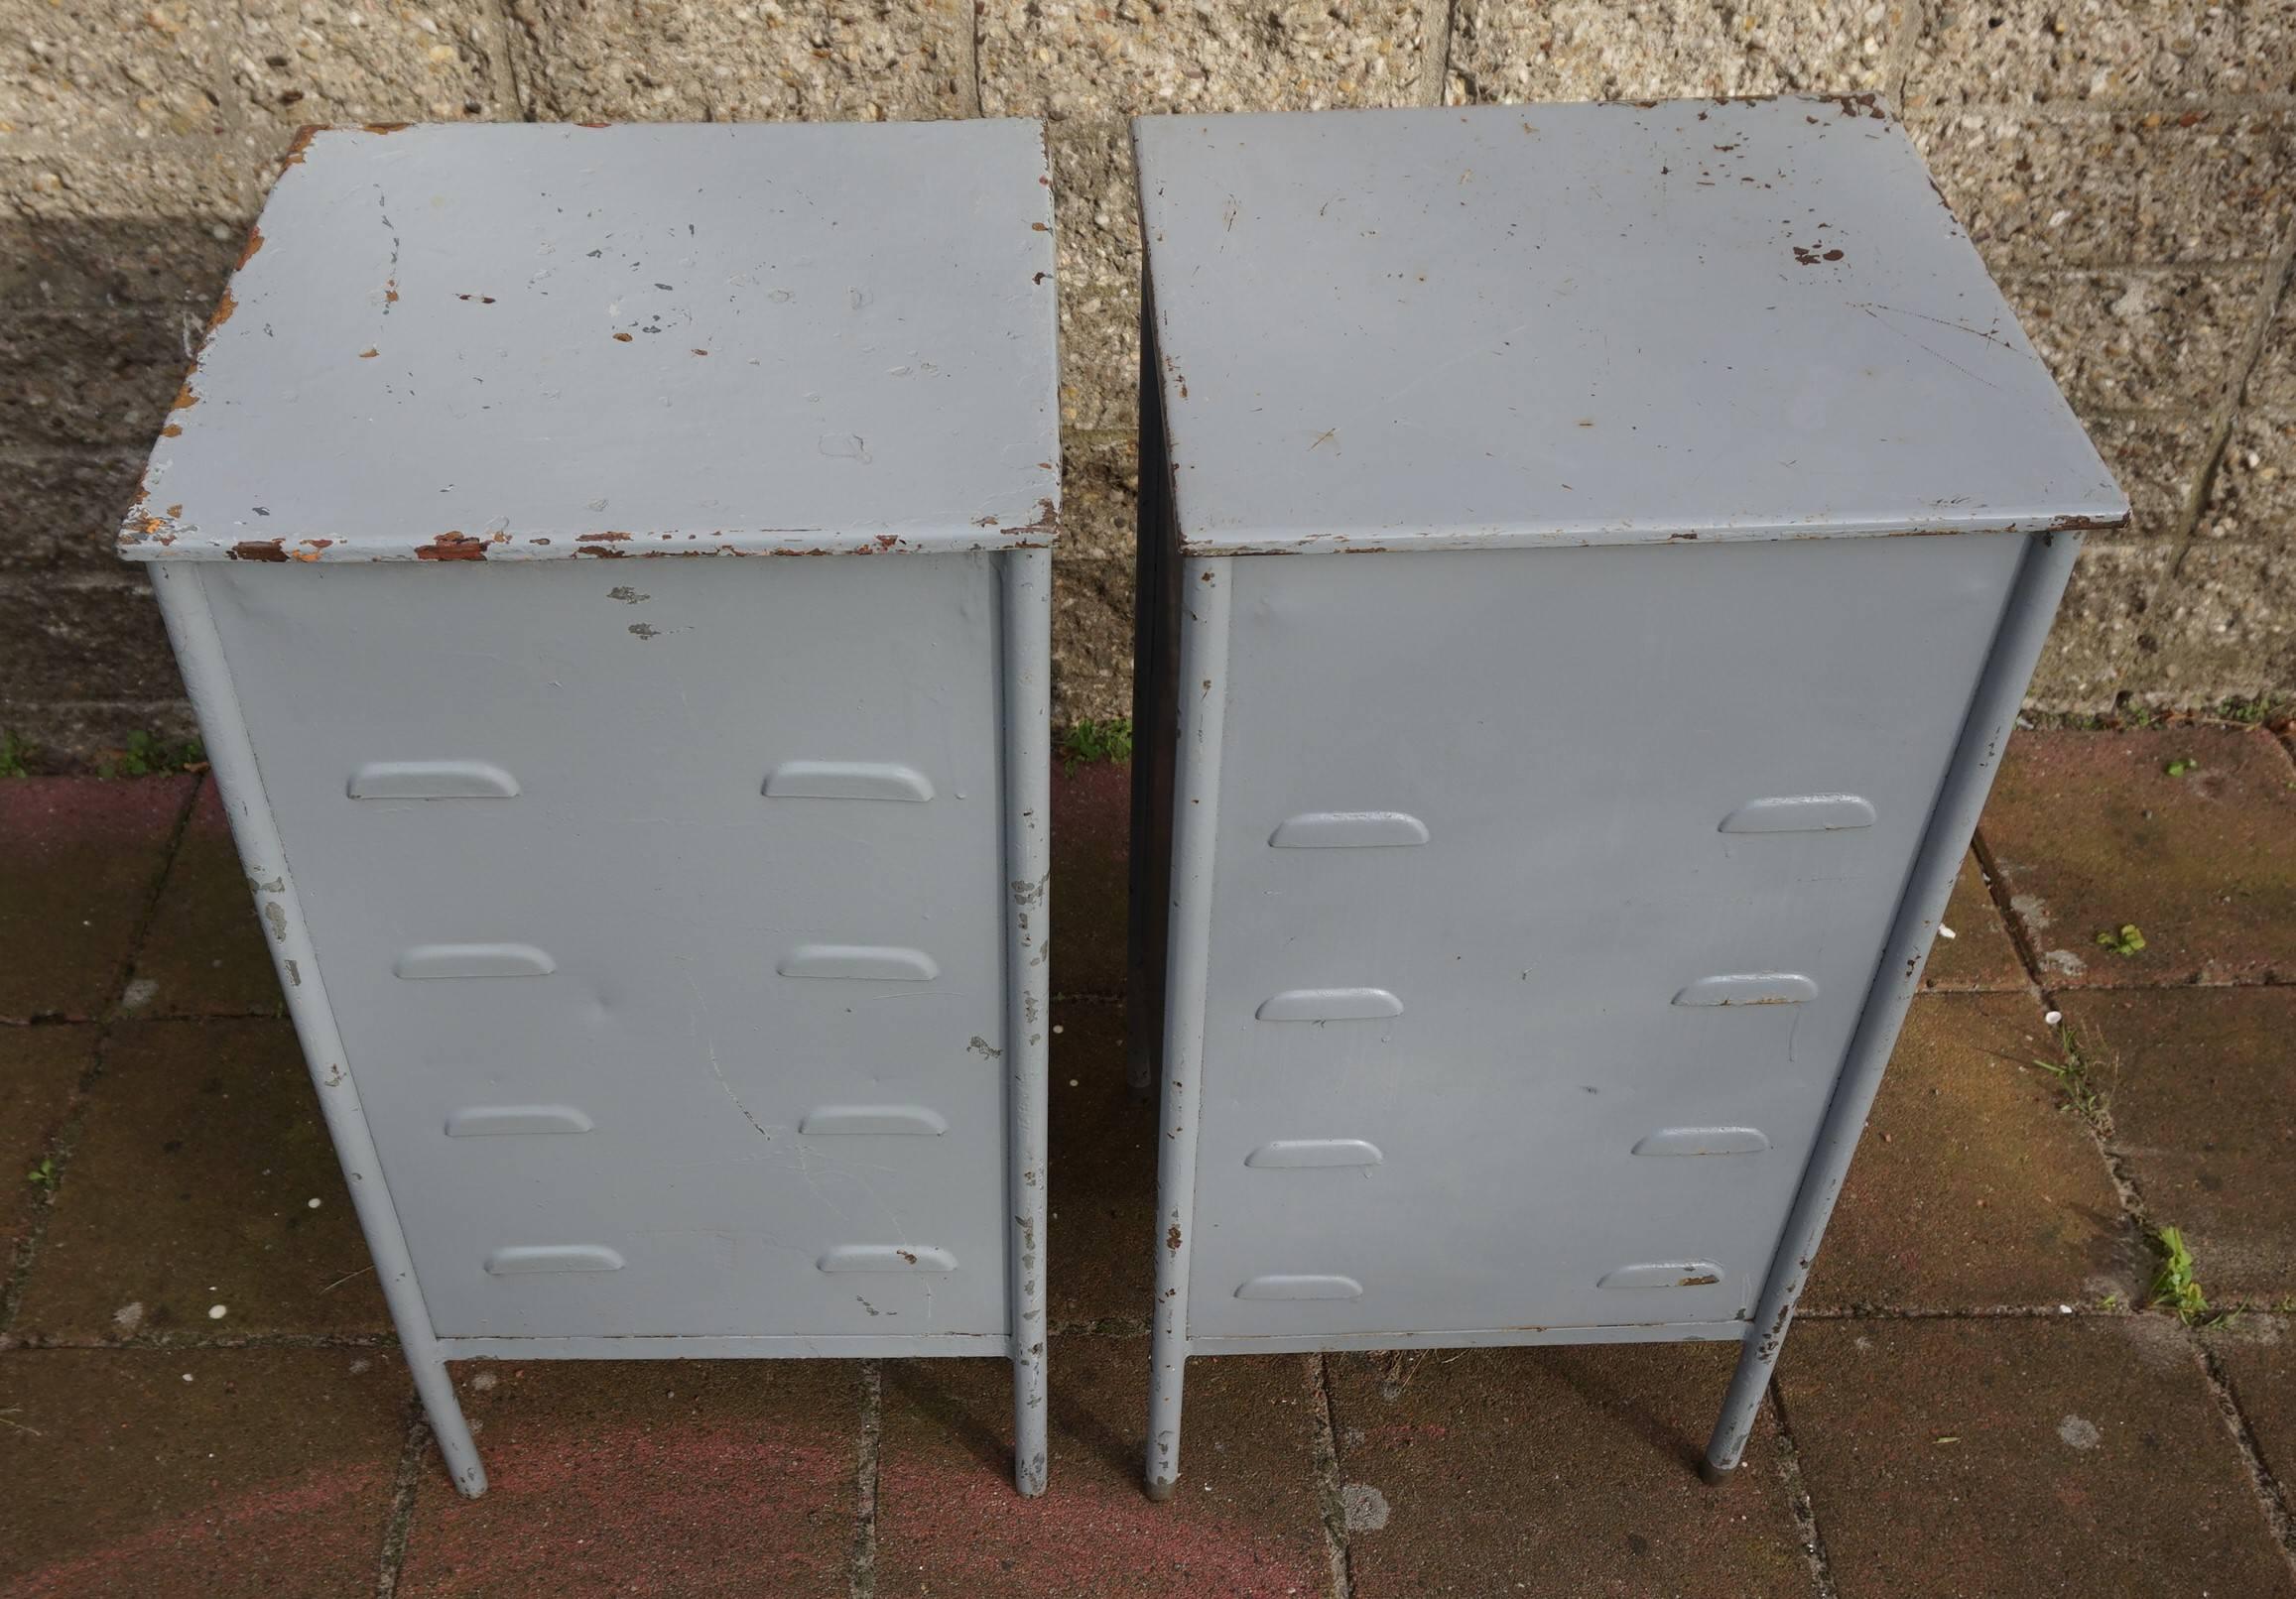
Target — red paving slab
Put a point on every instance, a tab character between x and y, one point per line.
2199	1081
646	1477
2074	1455
192	1188
1246	1522
204	954
1101	1266
2090	832
83	857
2257	1356
1980	954
1973	1186
1566	1471
40	1066
1091	827
203	1473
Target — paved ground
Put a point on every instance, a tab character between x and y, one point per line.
1971	1404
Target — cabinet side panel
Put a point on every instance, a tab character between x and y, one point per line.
1499	945
649	1050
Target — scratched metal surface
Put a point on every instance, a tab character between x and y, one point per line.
1586	324
517	342
638	709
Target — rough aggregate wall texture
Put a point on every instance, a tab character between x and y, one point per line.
2125	166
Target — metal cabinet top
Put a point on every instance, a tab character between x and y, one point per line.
519	343
1565	324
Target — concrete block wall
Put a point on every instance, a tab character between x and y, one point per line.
2124	165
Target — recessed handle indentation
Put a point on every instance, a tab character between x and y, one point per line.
873	1121
846	780
1305	1151
1329	1004
498	1121
859	961
1749	988
886	1258
1348	829
432	779
1800	813
1664	1274
1704	1140
472	961
552	1258
1301	1288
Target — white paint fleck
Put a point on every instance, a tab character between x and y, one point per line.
2052	1018
1945	932
128	1317
2078	1432
312	1204
217	1312
1366	1507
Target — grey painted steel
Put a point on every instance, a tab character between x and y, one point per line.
686	921
1548	879
1203	650
183	593
2040	585
528	340
1584	323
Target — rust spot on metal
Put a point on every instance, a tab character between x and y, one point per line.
1865	105
184	398
483	299
1702	1279
224	306
370	353
2085	524
621	338
453	546
1038	227
298	145
388	127
174	509
259	549
600	537
254	243
1172	1239
700	352
172	431
390	290
311	548
594	124
908	1255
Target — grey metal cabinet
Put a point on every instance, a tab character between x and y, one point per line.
1536	865
663	912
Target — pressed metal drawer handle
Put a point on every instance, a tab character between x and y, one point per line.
432	779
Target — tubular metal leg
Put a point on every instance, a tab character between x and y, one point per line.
1168	1365
1735	1424
1030	1465
445	1413
2032	604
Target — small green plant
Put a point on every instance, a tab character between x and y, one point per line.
15	755
1088	741
2082	1094
2181	765
2248	713
2125	941
2140	716
2174	1286
147	755
42	1176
